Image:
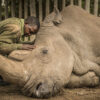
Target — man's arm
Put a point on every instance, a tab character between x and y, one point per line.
6	48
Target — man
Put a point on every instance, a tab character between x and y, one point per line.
14	30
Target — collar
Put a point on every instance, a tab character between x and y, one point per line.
22	26
22	29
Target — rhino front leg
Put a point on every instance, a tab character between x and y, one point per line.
88	79
81	66
13	72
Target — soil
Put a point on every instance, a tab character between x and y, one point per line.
13	93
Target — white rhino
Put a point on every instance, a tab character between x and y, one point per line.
66	55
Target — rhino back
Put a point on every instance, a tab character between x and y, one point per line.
80	23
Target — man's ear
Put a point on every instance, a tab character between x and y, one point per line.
35	27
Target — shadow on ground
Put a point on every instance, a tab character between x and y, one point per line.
12	93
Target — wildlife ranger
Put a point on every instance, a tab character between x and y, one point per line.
13	32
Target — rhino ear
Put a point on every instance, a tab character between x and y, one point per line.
58	17
56	10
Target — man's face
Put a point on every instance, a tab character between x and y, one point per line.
29	30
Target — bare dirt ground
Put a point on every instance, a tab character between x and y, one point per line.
12	93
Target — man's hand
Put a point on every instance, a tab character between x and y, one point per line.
28	47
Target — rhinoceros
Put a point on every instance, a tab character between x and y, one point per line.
66	55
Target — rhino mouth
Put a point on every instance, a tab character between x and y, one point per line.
41	89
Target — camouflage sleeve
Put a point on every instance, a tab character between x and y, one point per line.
9	38
6	48
28	40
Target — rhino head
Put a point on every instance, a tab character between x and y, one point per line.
48	67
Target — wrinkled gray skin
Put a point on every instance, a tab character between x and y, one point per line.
66	55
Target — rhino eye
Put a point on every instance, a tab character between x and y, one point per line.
45	51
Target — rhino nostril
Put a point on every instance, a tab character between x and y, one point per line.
38	86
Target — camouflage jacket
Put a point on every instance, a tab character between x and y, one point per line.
11	35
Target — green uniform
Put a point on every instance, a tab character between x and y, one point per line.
11	35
